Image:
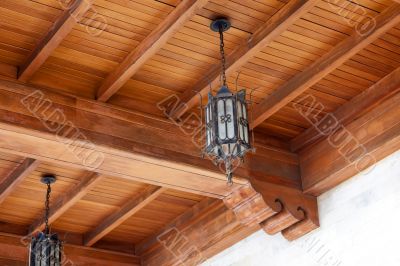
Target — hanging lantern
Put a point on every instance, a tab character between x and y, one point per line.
226	119
45	248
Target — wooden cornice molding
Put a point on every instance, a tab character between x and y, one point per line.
275	208
276	25
126	211
128	143
355	108
61	28
65	202
16	177
351	147
207	228
389	18
148	47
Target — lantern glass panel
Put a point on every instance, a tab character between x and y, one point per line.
221	119
245	125
229	118
239	115
208	128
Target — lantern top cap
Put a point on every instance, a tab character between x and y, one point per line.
48	179
220	22
224	91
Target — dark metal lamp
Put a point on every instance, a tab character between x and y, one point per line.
227	126
46	248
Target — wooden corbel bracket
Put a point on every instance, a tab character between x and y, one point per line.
276	208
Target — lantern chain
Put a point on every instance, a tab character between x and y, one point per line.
222	51
47	209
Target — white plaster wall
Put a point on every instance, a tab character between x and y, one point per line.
360	226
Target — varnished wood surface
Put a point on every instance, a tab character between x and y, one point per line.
352	147
307	47
13	248
82	61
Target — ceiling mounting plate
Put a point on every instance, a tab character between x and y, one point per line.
48	179
216	24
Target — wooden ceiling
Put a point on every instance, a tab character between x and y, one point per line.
107	64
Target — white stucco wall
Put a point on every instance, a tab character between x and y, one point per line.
360	226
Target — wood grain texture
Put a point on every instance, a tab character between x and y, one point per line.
62	204
275	208
350	148
16	177
277	24
61	28
190	233
121	140
148	47
326	64
126	211
359	105
15	247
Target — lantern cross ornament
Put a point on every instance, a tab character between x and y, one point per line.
227	127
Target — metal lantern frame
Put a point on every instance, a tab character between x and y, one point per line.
227	133
238	141
46	248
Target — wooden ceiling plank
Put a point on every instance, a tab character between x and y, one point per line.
389	18
148	47
16	176
60	29
270	30
65	202
360	104
126	211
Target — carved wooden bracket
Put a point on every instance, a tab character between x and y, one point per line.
276	208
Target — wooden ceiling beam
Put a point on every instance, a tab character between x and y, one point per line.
353	109
278	208
148	47
15	248
60	29
187	239
66	201
124	144
11	182
324	65
182	221
188	235
351	147
276	25
126	211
